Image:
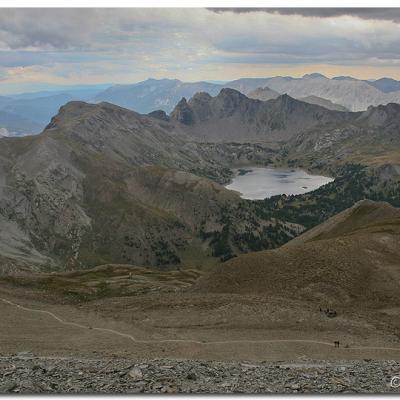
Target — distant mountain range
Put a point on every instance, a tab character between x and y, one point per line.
153	94
29	113
17	124
386	85
319	101
266	93
263	94
353	94
163	94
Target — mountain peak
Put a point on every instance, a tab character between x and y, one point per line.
201	97
227	92
182	102
79	111
314	75
69	111
381	115
286	99
160	80
386	85
159	114
344	78
384	79
263	94
183	113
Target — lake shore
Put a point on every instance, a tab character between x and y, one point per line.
257	183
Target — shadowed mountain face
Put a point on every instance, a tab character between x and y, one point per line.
308	135
124	136
369	138
351	259
104	184
231	116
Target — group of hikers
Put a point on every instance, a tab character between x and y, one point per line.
331	314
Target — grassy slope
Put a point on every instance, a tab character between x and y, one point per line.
105	281
352	259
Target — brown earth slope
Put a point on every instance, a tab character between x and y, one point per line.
259	306
351	259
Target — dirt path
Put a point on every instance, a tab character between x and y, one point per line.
190	341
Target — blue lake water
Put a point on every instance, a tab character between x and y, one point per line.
258	183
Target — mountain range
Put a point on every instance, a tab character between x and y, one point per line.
154	94
35	110
29	113
353	94
266	94
232	116
307	131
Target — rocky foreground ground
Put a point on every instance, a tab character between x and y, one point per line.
25	373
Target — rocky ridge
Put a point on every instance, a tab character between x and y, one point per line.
26	373
231	116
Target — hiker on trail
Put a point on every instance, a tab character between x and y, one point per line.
330	313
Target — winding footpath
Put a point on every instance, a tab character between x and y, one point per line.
205	343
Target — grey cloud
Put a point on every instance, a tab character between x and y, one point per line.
48	28
94	29
119	41
317	45
30	58
388	14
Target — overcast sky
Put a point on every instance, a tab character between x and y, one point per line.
77	46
